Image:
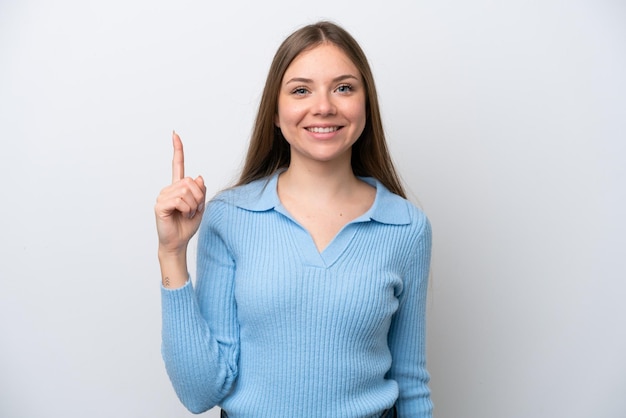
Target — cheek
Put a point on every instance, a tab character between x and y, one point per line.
359	115
288	117
356	109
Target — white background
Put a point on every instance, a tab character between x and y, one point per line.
506	119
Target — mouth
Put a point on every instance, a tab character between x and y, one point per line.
323	130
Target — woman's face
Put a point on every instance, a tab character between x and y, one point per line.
321	105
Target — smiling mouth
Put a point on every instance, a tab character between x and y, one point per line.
325	130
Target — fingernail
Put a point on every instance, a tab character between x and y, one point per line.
201	207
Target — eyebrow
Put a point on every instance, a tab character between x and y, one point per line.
335	80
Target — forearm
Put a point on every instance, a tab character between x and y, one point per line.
200	368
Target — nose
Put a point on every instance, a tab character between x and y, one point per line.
324	105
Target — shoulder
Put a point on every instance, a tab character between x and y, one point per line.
418	226
390	208
224	208
255	196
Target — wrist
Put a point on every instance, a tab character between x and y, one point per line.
172	254
173	268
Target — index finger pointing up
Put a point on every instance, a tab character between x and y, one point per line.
178	162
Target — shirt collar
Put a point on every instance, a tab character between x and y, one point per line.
261	195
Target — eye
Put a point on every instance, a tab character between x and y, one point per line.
300	91
344	88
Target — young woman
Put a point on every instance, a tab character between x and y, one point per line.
312	270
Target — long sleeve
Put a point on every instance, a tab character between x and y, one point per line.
408	330
200	333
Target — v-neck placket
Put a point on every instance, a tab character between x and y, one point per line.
335	248
385	209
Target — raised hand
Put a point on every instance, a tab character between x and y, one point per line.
178	211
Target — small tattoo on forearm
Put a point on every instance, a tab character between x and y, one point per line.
166	282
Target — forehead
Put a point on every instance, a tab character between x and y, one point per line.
321	60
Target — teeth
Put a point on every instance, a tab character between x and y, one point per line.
318	130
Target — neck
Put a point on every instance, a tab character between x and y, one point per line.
318	180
